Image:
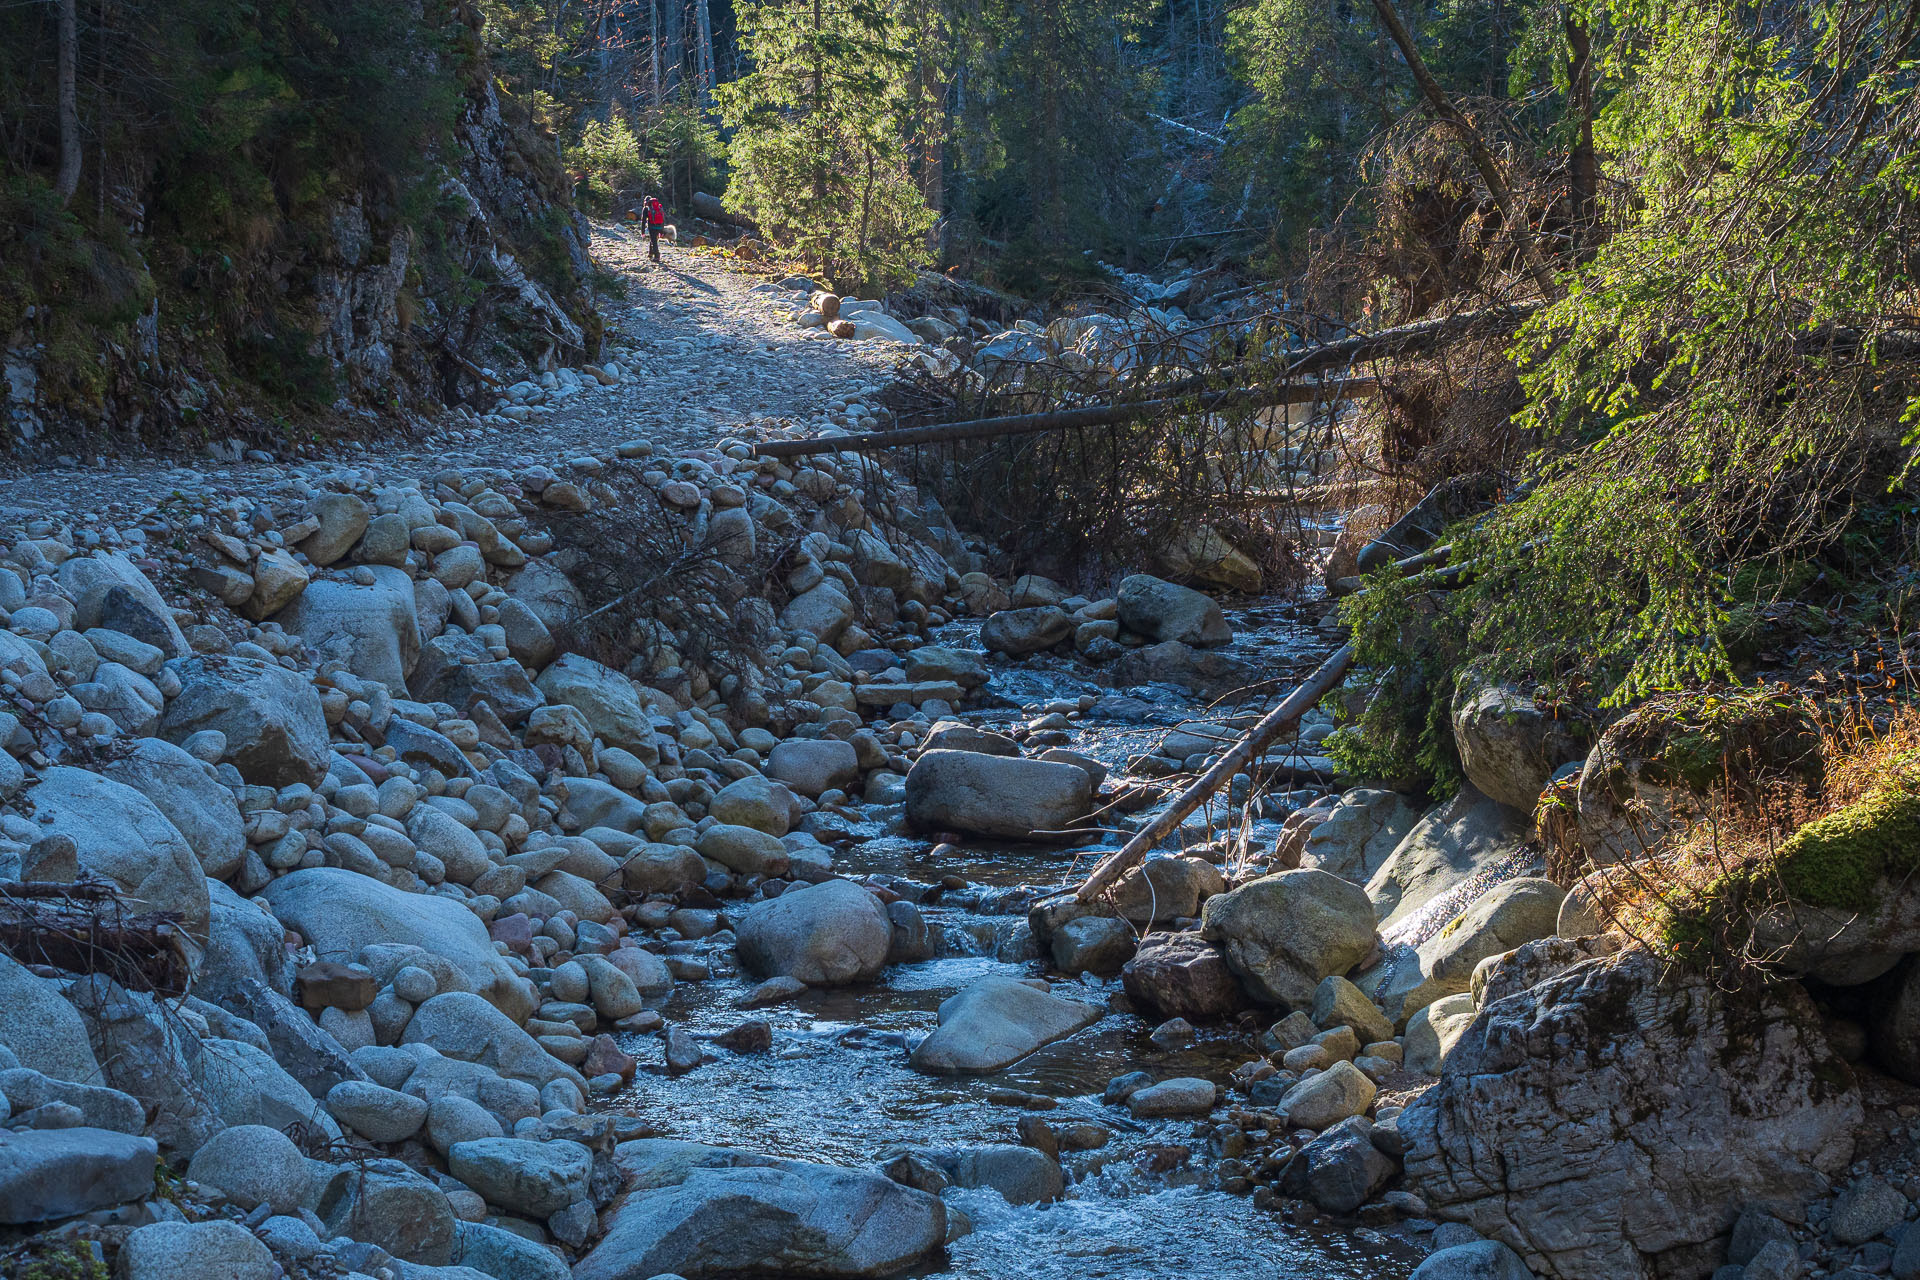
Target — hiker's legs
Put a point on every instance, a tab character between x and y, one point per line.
653	242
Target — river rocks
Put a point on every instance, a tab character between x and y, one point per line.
811	766
994	1023
41	1029
375	1113
1434	1030
1204	672
46	1174
1327	1097
1162	611
186	794
1509	745
1184	1096
275	733
1452	844
340	912
1507	915
825	934
1340	1170
1093	944
1163	888
196	1251
1338	1003
702	1211
1359	833
1616	1119
1283	933
1021	1175
464	1026
530	1178
1181	975
252	1165
121	835
1480	1260
755	802
27	1091
371	630
606	699
385	1203
1017	632
823	611
995	795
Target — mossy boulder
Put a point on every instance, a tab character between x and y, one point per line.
1669	763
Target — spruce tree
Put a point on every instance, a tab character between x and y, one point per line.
819	125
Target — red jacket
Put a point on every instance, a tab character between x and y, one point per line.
656	214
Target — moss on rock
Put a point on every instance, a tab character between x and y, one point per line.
1838	860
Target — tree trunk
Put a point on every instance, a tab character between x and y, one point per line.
676	44
69	179
653	52
703	55
1583	168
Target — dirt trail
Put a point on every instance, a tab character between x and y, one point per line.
709	354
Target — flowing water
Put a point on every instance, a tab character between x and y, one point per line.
836	1086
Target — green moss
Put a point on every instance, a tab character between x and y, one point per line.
77	1260
1838	860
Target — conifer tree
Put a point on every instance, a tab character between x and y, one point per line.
819	150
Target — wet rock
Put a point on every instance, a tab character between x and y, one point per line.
1451	844
994	795
703	1211
1202	672
1093	944
1162	611
824	935
1183	1096
1017	632
755	1035
1480	1260
1340	1170
994	1023
530	1178
772	991
1181	975
46	1174
1020	1174
1615	1119
196	1251
1283	933
275	732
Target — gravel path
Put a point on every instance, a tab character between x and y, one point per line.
707	353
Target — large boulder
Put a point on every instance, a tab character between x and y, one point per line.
276	735
188	796
813	765
1181	975
823	611
987	795
1615	1120
1281	934
386	1203
121	835
460	670
1509	744
196	1251
1167	888
1162	611
825	934
536	1179
1340	1170
341	911
995	1023
1017	632
1359	833
371	630
1431	873
41	1029
244	1085
699	1211
1507	915
108	590
47	1174
607	699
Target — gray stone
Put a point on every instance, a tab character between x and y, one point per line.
1504	917
1338	1003
276	735
1162	611
253	1165
1480	1260
122	836
95	1106
1509	746
1340	1170
196	1251
1018	632
1615	1119
825	934
1442	856
187	795
41	1029
530	1178
462	1025
506	1256
1181	975
994	1023
811	766
46	1174
1283	933
607	699
1093	944
371	630
108	590
1358	834
1021	1175
383	1202
995	796
1867	1208
1182	1096
1325	1098
376	1113
343	518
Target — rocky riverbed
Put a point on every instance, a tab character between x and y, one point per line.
646	859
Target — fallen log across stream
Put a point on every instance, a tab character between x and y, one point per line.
1198	394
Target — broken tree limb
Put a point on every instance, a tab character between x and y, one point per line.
1256	740
1180	396
88	928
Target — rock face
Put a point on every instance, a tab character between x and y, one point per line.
1449	847
1359	833
1509	746
995	1023
1283	933
1162	611
825	934
276	734
1181	975
122	836
342	911
705	1211
1614	1121
995	795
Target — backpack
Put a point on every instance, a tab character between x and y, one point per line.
656	215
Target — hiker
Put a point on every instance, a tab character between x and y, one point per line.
655	215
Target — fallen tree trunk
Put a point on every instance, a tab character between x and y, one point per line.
1180	397
87	928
